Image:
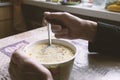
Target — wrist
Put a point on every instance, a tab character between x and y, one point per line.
92	26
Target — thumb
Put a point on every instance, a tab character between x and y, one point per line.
19	55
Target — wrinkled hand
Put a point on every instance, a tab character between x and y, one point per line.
66	25
23	68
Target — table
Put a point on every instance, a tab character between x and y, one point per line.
87	66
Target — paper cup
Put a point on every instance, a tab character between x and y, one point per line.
59	70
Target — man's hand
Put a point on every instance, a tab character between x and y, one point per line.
22	67
66	25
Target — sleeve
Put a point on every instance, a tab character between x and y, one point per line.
107	40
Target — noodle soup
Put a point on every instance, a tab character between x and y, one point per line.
58	58
50	54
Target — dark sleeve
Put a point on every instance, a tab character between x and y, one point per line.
107	40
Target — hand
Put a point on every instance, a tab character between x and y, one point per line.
24	68
66	25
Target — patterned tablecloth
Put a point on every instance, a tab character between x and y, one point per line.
87	66
9	44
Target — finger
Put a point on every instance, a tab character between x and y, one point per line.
35	67
18	56
34	76
13	71
44	22
56	28
53	15
62	33
11	67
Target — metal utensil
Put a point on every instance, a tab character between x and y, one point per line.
49	34
49	38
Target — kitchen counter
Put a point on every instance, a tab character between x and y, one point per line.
93	11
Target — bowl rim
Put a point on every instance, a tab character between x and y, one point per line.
72	46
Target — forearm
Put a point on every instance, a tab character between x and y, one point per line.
106	40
